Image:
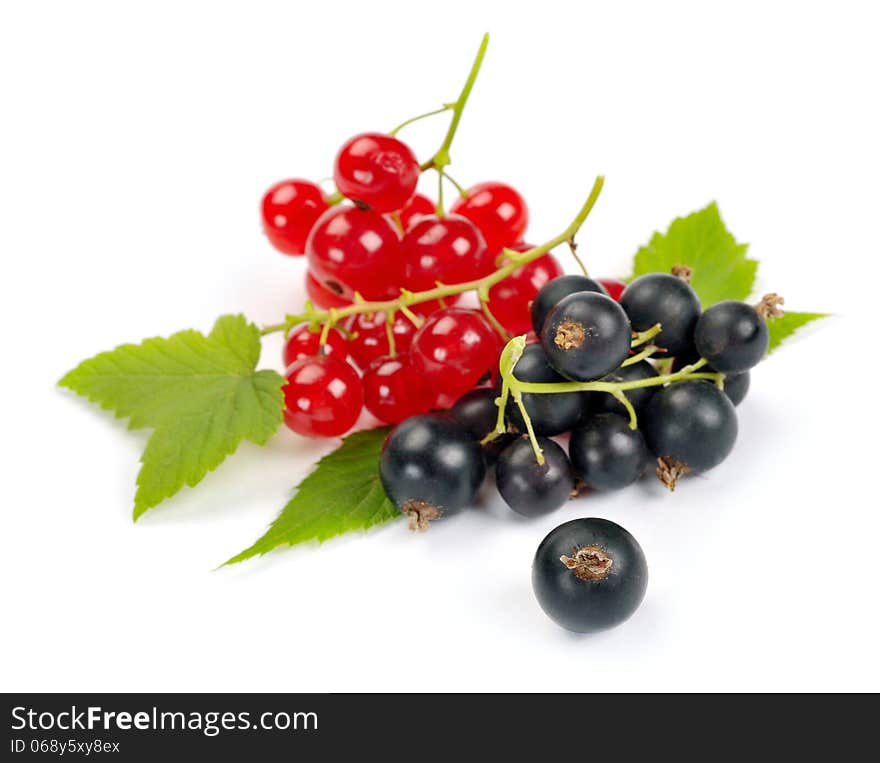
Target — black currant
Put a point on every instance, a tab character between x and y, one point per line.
586	336
604	402
554	291
495	446
606	453
690	426
476	411
732	336
589	575
550	414
736	386
529	488
668	300
430	467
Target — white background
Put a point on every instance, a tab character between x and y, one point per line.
136	142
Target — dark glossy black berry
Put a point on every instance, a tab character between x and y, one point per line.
430	467
736	386
550	414
495	447
557	289
691	425
732	336
586	336
667	300
531	489
603	402
606	453
589	575
476	411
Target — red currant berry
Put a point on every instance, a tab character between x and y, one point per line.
370	337
290	209
304	343
418	206
453	349
376	171
393	390
323	397
613	287
510	300
321	296
446	249
498	211
354	250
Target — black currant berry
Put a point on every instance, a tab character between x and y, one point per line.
586	336
430	467
606	453
529	488
476	411
690	426
667	300
732	336
495	447
736	386
603	402
589	575
554	291
550	414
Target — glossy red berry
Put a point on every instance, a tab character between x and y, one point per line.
453	349
446	249
510	300
304	343
376	171
498	211
613	287
354	250
290	209
418	206
393	390
323	397
369	337
321	296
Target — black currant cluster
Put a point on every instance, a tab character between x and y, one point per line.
670	404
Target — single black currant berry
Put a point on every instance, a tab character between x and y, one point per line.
530	488
495	447
476	411
586	336
732	336
551	414
554	291
736	386
690	426
589	575
606	453
667	300
603	402
430	467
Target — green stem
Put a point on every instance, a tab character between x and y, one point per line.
621	398
646	353
458	187
445	107
640	337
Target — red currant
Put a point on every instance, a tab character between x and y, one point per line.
510	300
376	171
453	349
613	287
323	396
354	250
498	211
321	296
393	390
418	206
370	337
290	209
305	343
446	249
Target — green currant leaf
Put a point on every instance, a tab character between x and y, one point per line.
200	394
783	327
343	493
701	241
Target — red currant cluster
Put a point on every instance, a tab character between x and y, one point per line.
374	240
